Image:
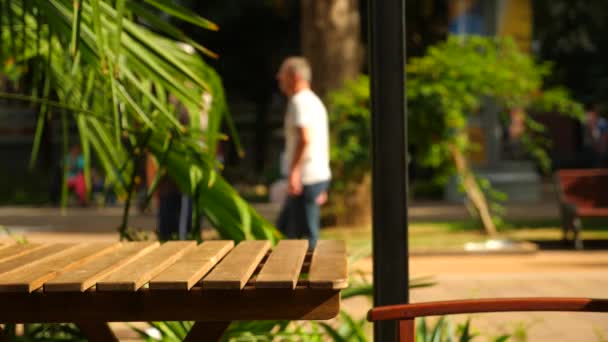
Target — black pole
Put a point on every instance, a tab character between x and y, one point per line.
389	151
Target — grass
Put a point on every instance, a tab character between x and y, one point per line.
450	235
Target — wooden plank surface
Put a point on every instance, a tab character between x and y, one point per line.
328	267
190	268
32	277
237	267
283	267
34	257
87	275
137	273
17	250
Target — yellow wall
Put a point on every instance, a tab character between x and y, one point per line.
515	20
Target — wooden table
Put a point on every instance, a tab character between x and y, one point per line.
213	283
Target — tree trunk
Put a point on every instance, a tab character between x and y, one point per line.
472	190
353	207
331	41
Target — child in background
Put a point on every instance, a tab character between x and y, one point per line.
75	177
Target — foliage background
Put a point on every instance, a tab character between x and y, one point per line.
446	87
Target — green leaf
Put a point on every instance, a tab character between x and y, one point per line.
183	13
358	290
332	332
110	77
120	13
503	338
153	99
438	331
466	335
421	331
165	27
76	26
355	327
99	36
126	97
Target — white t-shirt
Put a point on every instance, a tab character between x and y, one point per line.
305	109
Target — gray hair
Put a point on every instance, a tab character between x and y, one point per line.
299	66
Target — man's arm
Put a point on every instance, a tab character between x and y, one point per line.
295	169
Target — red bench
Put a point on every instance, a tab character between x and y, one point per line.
406	313
581	193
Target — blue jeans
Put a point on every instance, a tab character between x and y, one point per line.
174	216
301	216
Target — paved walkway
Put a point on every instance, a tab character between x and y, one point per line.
544	274
107	219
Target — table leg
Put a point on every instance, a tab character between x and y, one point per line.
97	331
207	331
3	337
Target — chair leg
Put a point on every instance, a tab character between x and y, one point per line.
206	331
406	331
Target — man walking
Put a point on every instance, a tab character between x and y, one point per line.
305	161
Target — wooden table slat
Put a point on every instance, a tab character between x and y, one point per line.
237	267
33	276
227	292
330	247
137	273
189	269
328	267
283	267
87	275
34	257
8	252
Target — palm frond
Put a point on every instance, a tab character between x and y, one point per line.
112	77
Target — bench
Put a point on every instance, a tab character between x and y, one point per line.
405	314
581	193
213	283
